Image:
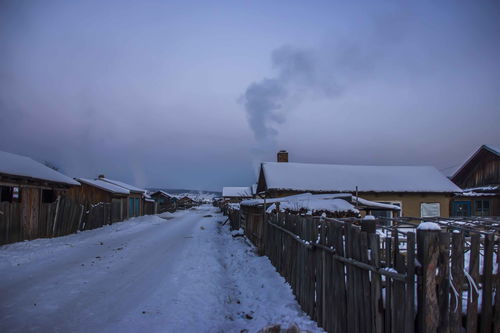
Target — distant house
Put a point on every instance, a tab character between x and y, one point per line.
148	204
236	194
30	185
135	198
479	177
164	201
95	191
185	202
420	191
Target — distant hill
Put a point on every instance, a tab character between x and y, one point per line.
182	191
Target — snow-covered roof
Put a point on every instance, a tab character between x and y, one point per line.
237	192
315	205
303	197
343	178
104	185
163	193
493	149
490	148
129	187
17	165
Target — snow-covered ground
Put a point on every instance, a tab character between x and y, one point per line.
185	273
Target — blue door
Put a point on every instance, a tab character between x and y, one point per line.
130	207
461	208
137	203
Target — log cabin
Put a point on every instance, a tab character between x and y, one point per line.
479	177
95	191
26	188
164	201
420	191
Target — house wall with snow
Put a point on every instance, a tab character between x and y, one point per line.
479	177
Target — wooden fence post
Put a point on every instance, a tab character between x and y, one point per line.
428	253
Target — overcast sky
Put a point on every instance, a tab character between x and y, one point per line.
185	94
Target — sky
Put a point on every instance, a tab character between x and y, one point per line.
194	94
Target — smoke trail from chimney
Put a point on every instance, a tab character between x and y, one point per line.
267	102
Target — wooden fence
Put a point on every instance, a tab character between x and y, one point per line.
59	218
351	280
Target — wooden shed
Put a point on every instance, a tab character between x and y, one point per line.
420	191
235	194
479	177
27	190
135	198
95	191
164	201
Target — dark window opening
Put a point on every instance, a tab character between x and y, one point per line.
6	193
48	196
482	208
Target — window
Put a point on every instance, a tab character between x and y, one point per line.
482	208
6	193
48	196
430	209
461	208
387	213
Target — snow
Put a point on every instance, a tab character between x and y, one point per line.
483	188
104	185
369	218
129	187
186	274
308	196
237	192
17	165
477	194
315	205
428	226
342	178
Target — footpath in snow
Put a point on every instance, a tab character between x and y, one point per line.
150	274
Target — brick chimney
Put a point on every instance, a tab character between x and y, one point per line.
283	156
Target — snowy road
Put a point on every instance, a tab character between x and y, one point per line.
149	274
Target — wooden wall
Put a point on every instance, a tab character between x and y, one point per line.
88	195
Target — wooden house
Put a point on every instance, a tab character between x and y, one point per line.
95	191
149	206
185	202
164	201
236	194
135	199
420	191
479	177
27	188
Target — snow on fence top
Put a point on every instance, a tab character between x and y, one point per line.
108	187
237	192
333	177
17	165
129	187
